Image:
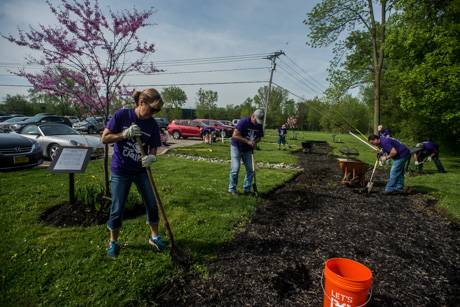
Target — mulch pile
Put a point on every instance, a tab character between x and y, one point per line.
413	251
80	214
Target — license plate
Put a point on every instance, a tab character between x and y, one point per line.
20	160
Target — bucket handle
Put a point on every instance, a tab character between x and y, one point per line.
330	298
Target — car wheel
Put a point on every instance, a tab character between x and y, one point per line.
176	135
52	151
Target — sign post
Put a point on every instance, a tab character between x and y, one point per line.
71	160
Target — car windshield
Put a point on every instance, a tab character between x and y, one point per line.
57	130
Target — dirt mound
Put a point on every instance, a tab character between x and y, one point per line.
413	252
79	214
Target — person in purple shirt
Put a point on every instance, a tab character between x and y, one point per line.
246	135
383	131
282	131
127	167
430	152
399	153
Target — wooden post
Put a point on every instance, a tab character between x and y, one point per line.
72	188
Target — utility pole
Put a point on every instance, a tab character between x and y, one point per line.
272	58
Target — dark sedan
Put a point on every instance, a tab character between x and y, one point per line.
17	151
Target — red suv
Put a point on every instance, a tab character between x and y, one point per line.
218	126
185	128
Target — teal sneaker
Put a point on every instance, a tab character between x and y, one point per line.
158	243
113	250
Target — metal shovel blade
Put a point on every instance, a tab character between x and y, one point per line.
369	186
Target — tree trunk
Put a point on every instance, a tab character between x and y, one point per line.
376	99
106	151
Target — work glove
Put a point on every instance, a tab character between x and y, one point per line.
148	160
429	159
417	163
132	132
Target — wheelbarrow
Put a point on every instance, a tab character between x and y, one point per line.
354	171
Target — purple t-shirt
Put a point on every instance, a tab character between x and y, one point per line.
385	132
249	131
126	158
430	147
282	131
387	143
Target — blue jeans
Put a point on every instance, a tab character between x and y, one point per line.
120	190
236	156
396	181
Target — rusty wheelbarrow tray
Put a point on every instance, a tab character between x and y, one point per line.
354	171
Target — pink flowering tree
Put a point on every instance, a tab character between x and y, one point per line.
291	123
87	55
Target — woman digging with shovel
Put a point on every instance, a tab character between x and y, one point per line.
128	167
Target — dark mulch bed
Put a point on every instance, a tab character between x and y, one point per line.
413	251
79	214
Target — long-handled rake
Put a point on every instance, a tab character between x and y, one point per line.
178	255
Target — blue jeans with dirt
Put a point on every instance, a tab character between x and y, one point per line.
396	181
236	156
121	185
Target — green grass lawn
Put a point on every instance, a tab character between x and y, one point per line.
67	266
43	265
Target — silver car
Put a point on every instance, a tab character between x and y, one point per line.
52	136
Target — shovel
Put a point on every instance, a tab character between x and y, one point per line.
178	255
370	184
254	183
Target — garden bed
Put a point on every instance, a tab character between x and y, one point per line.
79	214
412	250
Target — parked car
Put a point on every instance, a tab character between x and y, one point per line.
218	126
42	118
90	125
52	136
6	117
235	122
73	119
162	122
185	128
6	126
226	122
17	151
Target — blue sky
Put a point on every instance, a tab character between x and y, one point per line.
202	28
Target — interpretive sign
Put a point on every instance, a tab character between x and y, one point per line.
70	160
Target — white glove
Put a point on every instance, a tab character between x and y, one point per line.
417	163
429	159
131	132
147	160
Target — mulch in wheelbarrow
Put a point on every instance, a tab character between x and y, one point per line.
412	250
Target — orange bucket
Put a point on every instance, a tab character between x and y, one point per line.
347	283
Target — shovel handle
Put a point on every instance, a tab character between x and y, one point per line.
155	193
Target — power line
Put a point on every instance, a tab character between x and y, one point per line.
176	72
305	85
305	72
200	71
302	77
166	84
175	62
290	92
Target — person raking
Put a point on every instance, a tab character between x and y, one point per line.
429	152
127	167
248	132
400	154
